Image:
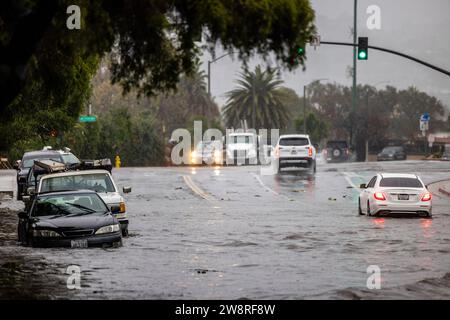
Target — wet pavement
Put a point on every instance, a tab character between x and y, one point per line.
232	232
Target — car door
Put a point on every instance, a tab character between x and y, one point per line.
367	193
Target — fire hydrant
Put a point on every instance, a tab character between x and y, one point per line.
117	161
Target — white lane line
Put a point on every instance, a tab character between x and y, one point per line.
196	189
268	188
349	180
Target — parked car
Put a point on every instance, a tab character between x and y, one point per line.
392	153
99	181
23	166
295	150
395	193
242	148
77	219
207	152
336	151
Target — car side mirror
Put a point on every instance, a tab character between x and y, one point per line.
126	189
362	186
23	215
17	164
31	191
115	209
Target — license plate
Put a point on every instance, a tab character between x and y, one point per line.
77	244
403	197
294	152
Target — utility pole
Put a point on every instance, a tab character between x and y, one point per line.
355	50
304	109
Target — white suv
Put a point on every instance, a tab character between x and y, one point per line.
295	150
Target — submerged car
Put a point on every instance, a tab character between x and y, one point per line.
99	181
295	150
23	166
76	219
392	153
395	193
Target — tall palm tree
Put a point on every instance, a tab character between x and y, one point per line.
257	100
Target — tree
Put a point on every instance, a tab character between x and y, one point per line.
152	42
257	99
316	127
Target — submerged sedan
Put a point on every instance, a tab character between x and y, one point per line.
77	219
395	193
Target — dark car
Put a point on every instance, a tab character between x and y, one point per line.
337	151
77	219
446	155
23	166
392	153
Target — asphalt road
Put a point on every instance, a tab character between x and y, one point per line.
235	232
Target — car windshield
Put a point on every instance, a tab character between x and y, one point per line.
401	183
68	204
207	145
391	149
70	158
28	162
294	142
98	182
241	139
337	144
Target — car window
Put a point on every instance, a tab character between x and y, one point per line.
372	182
401	183
95	182
52	205
294	142
28	162
70	158
337	144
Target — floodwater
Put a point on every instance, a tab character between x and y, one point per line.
231	233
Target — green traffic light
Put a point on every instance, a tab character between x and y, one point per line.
362	55
300	50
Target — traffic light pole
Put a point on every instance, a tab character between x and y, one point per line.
355	49
429	65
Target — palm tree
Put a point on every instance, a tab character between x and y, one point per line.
257	100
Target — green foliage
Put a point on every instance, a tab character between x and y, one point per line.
316	127
257	99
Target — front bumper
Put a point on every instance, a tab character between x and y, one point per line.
112	239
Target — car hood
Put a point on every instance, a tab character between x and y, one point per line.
91	221
111	197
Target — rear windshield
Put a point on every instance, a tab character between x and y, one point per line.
28	161
294	142
393	149
401	183
338	144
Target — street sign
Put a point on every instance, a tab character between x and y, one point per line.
87	119
425	117
423	126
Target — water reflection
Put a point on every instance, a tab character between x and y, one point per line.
379	222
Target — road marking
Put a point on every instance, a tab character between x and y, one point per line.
348	175
196	189
268	188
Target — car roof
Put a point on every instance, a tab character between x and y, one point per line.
242	134
67	192
45	152
398	175
294	136
75	173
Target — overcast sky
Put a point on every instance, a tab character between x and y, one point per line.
416	27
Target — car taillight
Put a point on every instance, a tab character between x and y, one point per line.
379	196
310	152
426	197
122	207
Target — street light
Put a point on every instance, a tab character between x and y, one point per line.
304	101
209	69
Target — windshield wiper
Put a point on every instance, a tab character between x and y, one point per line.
88	210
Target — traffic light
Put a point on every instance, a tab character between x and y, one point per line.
363	48
297	55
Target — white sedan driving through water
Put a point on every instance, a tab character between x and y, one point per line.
395	193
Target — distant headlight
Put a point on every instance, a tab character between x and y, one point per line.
217	154
390	155
108	229
46	234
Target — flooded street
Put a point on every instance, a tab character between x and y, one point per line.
231	233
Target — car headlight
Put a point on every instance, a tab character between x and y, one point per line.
217	154
45	234
108	229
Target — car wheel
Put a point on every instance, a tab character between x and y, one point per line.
359	208
125	232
